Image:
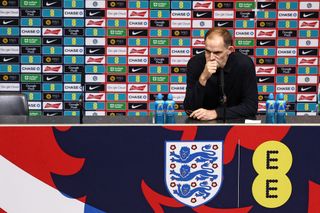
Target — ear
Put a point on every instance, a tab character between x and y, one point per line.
231	49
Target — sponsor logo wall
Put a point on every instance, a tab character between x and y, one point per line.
125	52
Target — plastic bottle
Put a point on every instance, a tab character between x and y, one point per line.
281	109
270	109
159	109
169	106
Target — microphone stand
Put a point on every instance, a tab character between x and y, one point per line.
81	98
224	97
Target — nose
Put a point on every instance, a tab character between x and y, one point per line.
212	56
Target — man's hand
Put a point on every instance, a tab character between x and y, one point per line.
204	114
209	69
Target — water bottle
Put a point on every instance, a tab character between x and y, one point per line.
169	106
159	109
270	109
281	109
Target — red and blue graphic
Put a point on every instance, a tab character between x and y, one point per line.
100	169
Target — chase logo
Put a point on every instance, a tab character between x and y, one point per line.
138	23
180	14
286	51
193	171
287	14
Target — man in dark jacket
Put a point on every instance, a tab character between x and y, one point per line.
206	96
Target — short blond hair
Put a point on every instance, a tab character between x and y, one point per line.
224	33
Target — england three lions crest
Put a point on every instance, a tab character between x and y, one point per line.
193	170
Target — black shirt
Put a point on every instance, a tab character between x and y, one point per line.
240	87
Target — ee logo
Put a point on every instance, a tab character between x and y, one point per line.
272	160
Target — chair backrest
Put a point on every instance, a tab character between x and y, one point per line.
13	104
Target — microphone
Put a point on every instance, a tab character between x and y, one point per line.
224	97
81	108
81	97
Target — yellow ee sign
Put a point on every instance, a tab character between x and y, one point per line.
272	160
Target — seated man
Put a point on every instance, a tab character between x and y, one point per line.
205	94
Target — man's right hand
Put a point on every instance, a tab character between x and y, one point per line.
209	69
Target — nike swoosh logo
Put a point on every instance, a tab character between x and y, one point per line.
222	24
136	69
49	4
92	14
92	88
306	52
7	22
136	106
263	79
51	41
136	33
307	15
264	42
265	5
305	89
93	51
7	59
199	52
200	14
53	114
51	78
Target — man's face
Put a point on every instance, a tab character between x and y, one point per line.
215	50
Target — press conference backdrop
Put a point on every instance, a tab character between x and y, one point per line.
125	52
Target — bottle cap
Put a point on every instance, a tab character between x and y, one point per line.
271	97
159	96
280	96
170	96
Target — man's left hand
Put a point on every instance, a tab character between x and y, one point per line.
204	114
